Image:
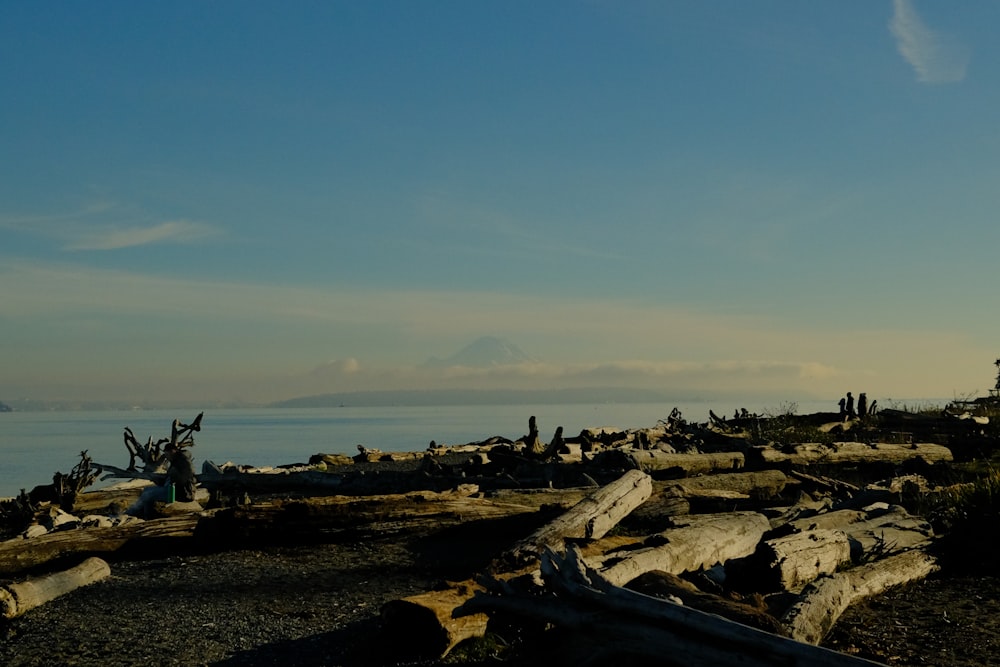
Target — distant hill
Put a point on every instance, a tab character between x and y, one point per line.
484	352
477	397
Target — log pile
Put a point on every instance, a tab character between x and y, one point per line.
725	552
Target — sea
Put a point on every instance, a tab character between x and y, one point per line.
35	445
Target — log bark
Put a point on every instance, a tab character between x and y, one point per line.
15	599
698	541
852	452
619	623
822	603
591	518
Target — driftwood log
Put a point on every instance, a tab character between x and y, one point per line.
15	599
877	530
591	518
828	542
852	452
824	600
427	622
289	520
698	541
688	464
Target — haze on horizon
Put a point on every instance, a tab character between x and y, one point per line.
253	201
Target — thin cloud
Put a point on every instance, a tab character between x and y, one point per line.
172	231
936	58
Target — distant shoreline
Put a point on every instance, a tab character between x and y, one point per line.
424	398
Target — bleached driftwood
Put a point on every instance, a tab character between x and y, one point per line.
690	464
878	528
755	484
608	622
698	541
823	601
852	452
790	562
591	518
15	599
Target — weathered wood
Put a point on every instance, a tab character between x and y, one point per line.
19	554
689	464
822	603
756	484
697	541
851	452
15	599
292	519
790	562
614	622
591	518
879	529
427	622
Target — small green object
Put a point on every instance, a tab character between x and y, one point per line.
171	493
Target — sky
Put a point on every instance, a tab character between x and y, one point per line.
250	201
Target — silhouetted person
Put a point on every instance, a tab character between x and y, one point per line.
850	406
862	405
843	410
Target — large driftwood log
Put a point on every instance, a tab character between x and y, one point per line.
427	622
758	484
591	518
877	530
696	542
611	622
15	599
822	602
21	554
852	452
689	464
790	562
293	519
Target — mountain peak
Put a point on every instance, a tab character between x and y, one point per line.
484	352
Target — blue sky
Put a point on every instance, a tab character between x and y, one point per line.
258	200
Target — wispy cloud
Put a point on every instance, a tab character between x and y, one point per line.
172	231
935	57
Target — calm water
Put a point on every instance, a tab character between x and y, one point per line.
33	445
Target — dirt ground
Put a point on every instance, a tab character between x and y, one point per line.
946	620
